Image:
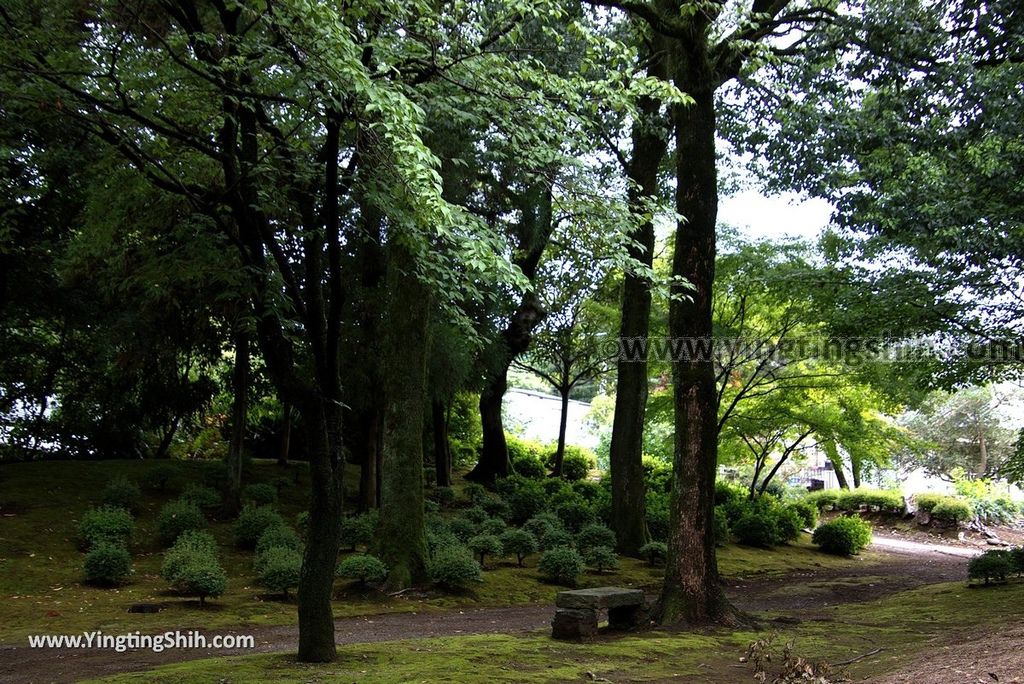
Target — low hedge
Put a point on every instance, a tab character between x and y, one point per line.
845	536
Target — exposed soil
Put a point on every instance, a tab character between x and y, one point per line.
800	593
966	659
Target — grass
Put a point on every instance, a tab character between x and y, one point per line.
41	503
902	623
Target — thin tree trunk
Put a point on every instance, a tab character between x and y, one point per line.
322	421
442	448
983	452
832	452
401	536
692	592
286	437
368	439
629	517
239	409
563	422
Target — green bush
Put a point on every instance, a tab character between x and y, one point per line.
191	546
176	517
525	498
105	524
657	514
463	528
844	536
543	523
444	496
484	545
529	466
595	535
926	502
476	514
823	499
201	576
556	538
363	568
1017	559
493	526
726	492
160	477
756	528
806	511
107	564
991	566
655	552
453	567
658	474
201	495
252	522
527	452
475	493
440	538
721	527
259	494
788	524
561	565
587	490
278	536
952	512
994	511
601	558
555	487
359	530
278	569
851	500
519	542
496	507
575	515
215	474
431	506
576	463
122	493
302	523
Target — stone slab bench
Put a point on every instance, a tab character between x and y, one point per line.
576	611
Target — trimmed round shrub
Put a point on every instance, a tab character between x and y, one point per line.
475	493
525	498
496	508
657	515
358	530
190	546
122	493
476	514
728	493
278	569
788	524
201	576
519	542
952	512
463	528
823	499
176	517
556	538
575	515
494	526
440	538
555	486
363	568
160	477
107	564
991	566
807	512
655	552
756	529
543	523
453	567
576	463
601	558
259	494
528	465
430	506
587	490
561	565
106	524
278	536
485	545
215	474
200	495
1017	559
721	526
844	536
594	535
252	522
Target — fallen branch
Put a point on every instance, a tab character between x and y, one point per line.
860	657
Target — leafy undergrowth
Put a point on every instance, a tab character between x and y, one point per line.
41	504
901	624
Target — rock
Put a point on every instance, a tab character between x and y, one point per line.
573	623
996	542
600	597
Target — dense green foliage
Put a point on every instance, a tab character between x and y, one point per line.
176	517
561	565
454	567
363	568
107	564
252	523
105	524
991	566
845	535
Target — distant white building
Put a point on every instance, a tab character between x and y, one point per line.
535	415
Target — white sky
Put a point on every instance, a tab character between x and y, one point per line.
785	215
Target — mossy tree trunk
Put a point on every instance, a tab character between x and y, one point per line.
649	137
240	373
442	447
401	541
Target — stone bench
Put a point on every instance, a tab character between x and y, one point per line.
576	611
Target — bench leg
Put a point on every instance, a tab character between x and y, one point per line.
573	623
623	617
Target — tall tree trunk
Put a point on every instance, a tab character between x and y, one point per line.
401	536
368	437
563	423
832	452
286	436
983	454
692	592
442	448
239	408
321	419
629	518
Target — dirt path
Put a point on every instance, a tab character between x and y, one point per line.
906	565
